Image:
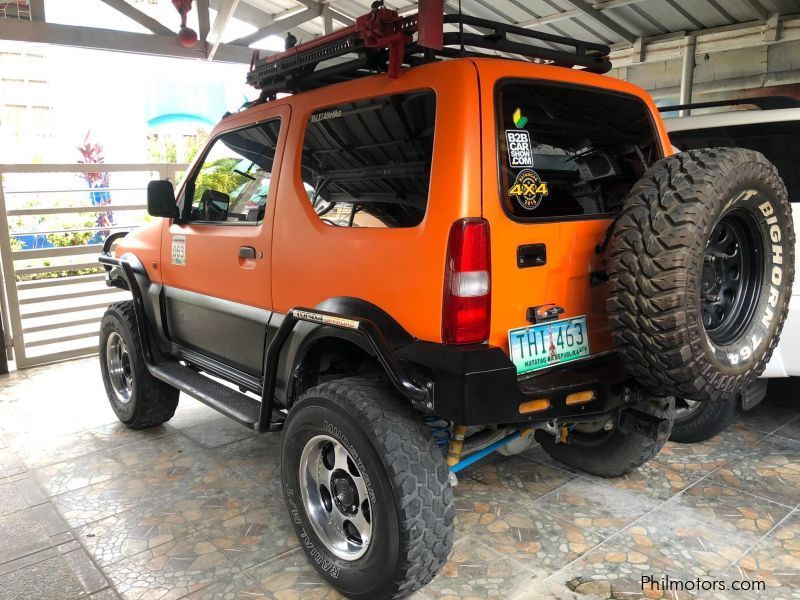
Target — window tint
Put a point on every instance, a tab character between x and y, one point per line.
368	163
779	142
569	151
233	182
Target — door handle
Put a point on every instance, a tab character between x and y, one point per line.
531	255
247	252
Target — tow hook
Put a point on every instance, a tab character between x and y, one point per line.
634	421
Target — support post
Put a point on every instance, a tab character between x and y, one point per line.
687	73
203	21
772	33
3	357
37	10
327	20
638	52
9	302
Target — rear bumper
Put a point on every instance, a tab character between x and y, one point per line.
478	385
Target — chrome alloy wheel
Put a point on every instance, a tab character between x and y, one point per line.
335	497
118	363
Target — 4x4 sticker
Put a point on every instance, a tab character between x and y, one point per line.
179	250
520	152
528	189
519	120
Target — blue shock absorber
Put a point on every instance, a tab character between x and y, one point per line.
473	458
440	430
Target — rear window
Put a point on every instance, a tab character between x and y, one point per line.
779	142
570	151
368	163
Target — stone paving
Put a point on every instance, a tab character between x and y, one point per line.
192	509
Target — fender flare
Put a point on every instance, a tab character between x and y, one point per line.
305	335
127	272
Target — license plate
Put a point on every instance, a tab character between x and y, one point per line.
540	346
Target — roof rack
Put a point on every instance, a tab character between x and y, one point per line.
761	103
383	41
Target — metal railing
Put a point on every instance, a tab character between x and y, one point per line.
53	294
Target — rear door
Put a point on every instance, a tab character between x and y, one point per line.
216	264
563	158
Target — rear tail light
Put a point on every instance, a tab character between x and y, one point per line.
467	284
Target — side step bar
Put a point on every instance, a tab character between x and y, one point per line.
261	416
239	407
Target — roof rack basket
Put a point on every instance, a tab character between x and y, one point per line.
383	41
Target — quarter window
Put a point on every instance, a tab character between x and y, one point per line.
368	163
233	183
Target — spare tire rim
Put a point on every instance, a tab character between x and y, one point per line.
730	284
335	497
118	363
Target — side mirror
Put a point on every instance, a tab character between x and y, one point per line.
161	199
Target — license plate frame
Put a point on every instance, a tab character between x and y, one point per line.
536	347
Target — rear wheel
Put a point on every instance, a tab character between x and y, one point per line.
605	450
698	421
701	265
138	399
367	489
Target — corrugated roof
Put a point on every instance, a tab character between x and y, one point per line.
614	22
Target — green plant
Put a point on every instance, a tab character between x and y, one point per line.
79	224
171	153
67	272
16	244
219	175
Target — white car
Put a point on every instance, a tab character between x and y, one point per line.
775	132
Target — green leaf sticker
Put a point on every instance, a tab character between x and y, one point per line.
519	120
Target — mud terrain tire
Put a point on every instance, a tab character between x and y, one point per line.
402	473
701	264
149	401
615	453
704	420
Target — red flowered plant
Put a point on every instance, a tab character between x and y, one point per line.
98	181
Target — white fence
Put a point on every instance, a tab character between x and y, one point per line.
52	225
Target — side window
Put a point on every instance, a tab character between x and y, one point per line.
232	185
368	163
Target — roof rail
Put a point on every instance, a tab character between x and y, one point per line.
761	103
383	41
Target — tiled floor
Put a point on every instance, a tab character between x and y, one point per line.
192	508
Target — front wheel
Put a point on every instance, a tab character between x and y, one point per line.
367	489
138	399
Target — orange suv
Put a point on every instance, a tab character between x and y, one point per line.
407	270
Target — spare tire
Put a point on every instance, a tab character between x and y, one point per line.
701	263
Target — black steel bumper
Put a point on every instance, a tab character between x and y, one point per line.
478	385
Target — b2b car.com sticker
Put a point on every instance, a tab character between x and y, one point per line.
528	189
520	152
